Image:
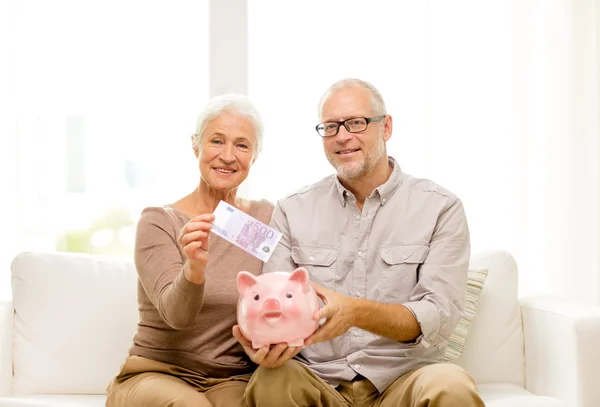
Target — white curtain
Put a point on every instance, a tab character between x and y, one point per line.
496	100
556	227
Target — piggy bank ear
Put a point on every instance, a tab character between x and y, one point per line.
245	280
300	276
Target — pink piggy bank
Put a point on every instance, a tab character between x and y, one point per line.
276	307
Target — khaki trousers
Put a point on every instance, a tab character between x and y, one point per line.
293	384
145	382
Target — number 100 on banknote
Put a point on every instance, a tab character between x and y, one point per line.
244	231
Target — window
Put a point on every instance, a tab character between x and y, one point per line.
105	98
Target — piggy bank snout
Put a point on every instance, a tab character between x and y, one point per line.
271	304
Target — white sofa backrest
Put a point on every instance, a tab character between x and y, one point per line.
75	316
494	352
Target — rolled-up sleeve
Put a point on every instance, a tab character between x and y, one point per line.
437	300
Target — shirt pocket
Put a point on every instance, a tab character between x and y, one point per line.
398	269
319	261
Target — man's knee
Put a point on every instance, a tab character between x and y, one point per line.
290	384
268	377
448	384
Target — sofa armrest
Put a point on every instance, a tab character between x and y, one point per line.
561	349
6	348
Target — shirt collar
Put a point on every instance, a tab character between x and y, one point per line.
384	191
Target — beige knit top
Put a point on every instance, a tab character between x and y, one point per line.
188	324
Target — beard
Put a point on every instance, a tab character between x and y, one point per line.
362	168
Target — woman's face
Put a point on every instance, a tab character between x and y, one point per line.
226	151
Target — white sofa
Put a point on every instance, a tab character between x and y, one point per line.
72	318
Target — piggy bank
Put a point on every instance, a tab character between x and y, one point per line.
276	307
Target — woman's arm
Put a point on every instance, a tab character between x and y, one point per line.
162	272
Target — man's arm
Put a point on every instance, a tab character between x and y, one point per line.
390	320
342	312
436	302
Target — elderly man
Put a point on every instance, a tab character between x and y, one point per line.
388	253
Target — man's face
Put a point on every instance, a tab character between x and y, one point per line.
354	155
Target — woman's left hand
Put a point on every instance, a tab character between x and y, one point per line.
266	356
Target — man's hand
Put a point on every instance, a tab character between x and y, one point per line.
338	312
266	356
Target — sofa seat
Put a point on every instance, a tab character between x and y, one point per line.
510	395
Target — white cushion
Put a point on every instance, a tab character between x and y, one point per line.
510	395
75	316
44	400
494	352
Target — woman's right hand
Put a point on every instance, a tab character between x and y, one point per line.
193	238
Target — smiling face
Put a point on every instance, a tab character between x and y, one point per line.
226	151
354	155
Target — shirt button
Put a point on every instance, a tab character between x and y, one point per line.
359	254
356	333
358	294
357	366
357	217
383	200
403	257
311	258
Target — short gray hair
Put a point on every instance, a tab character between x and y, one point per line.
377	102
232	102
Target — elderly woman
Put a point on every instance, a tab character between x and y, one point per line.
183	352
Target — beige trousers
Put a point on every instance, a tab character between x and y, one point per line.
144	382
293	384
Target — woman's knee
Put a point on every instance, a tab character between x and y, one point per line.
154	390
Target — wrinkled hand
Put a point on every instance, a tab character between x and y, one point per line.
269	357
338	313
193	238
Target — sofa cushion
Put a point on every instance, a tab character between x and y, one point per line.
494	352
458	339
75	316
74	311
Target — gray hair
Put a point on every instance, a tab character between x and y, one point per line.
233	102
377	101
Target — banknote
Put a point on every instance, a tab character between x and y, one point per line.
244	231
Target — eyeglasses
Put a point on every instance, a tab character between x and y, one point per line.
353	125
